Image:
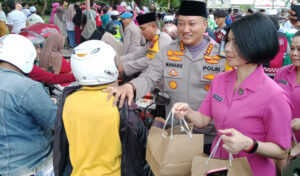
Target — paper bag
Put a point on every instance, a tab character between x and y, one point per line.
296	148
170	153
236	167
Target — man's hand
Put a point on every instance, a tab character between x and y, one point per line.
234	141
296	124
121	92
293	18
181	110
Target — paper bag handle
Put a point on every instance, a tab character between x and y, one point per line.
187	130
294	138
215	150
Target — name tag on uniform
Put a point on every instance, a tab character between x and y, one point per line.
283	81
217	97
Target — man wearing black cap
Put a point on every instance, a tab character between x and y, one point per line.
220	17
138	61
186	67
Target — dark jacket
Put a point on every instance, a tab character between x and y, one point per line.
132	134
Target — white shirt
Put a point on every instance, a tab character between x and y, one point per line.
33	19
70	26
3	17
17	19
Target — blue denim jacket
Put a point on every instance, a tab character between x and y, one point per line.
27	118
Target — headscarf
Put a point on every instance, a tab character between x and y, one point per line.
89	29
54	6
70	12
78	16
50	54
60	13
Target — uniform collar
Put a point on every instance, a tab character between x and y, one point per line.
292	69
252	82
188	53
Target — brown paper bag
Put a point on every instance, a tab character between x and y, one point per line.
172	155
236	167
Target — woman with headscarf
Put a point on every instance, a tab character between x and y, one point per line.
51	58
70	26
60	21
77	20
90	31
54	6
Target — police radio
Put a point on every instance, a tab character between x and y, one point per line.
296	7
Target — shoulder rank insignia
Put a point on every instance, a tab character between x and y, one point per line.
173	72
209	48
181	46
209	76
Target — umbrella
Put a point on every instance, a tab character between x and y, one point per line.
43	29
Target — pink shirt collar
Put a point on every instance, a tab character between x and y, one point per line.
252	82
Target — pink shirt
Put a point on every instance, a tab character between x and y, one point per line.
286	78
259	109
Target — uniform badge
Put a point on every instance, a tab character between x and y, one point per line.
170	53
209	76
181	46
241	91
206	57
283	81
216	57
177	53
174	58
211	61
173	72
209	49
173	84
207	86
217	97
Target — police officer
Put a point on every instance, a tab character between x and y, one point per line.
132	39
186	67
138	61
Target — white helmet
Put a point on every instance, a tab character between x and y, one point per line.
18	51
93	63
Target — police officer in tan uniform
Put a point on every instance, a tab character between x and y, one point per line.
186	67
138	61
133	40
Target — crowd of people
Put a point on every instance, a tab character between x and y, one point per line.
236	77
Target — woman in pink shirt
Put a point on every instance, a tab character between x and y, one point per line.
288	78
251	113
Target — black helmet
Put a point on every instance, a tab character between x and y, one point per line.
111	27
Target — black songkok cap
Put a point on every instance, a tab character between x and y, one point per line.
220	13
146	18
193	8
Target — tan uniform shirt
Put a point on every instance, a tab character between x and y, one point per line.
138	61
184	78
133	39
